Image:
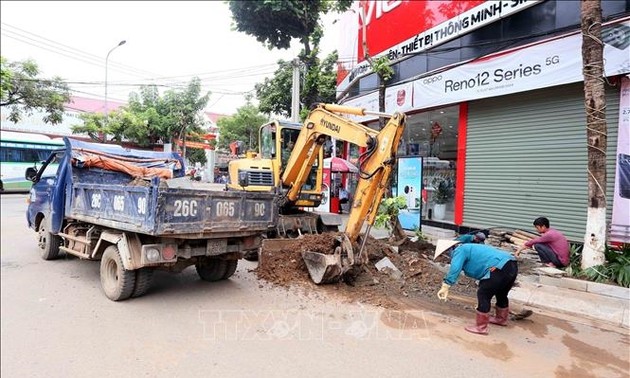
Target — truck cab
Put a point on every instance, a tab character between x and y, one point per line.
44	194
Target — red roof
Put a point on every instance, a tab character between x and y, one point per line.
92	105
214	117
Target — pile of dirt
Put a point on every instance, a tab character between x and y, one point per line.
421	278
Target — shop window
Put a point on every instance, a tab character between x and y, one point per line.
446	54
433	135
410	68
368	84
568	14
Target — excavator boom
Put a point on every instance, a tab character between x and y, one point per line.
375	169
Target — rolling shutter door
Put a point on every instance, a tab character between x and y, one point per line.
526	157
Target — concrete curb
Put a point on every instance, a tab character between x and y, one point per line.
612	310
587	286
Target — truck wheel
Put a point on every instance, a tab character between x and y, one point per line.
48	243
144	278
211	269
231	268
251	255
117	282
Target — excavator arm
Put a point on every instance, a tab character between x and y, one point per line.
375	169
375	164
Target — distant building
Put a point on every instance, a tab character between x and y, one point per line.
34	123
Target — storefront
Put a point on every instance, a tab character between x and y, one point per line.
503	135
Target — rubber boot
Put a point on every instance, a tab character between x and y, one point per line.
482	324
501	316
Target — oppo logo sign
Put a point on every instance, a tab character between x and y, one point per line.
431	80
373	10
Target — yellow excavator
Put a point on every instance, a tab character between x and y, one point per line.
300	180
261	171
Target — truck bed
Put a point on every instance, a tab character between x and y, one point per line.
176	207
160	210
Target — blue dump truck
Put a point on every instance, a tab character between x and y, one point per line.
137	212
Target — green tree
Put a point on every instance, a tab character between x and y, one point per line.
150	118
241	126
291	19
387	217
196	155
274	94
23	92
275	23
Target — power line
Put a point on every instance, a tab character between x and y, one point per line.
214	76
62	49
223	76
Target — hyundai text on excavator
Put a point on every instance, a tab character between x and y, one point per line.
302	173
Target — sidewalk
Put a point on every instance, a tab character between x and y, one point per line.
576	298
584	299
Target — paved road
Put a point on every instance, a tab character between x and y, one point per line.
55	322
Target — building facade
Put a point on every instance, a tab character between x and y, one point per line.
494	95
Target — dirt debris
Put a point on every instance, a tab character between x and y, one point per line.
282	264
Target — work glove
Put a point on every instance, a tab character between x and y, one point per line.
443	293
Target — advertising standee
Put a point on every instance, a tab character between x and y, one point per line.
410	186
620	227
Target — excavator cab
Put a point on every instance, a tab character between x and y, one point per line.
262	172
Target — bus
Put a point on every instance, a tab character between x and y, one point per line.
19	151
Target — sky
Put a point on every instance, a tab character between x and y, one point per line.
167	44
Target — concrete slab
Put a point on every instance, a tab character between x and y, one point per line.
563	282
386	265
437	233
609	290
551	271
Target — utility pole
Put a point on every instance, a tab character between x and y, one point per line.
295	91
106	60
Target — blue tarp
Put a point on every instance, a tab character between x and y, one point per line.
141	158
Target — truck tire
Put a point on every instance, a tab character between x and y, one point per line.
117	282
212	269
251	256
48	243
231	268
144	278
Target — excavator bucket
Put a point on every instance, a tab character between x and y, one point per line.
323	268
329	268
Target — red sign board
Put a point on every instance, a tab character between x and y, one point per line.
391	22
399	28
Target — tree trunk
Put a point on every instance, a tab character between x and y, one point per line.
398	235
381	101
596	133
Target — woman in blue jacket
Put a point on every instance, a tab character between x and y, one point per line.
496	271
